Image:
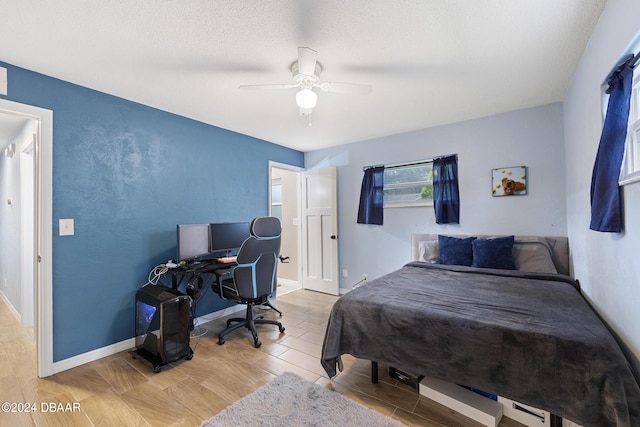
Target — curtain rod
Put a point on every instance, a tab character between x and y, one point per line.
397	165
619	65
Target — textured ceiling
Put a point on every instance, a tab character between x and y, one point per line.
430	62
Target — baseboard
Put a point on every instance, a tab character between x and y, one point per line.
11	308
220	313
93	355
130	343
289	282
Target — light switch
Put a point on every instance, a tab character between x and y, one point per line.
66	227
3	81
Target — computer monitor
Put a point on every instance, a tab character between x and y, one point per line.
193	241
227	237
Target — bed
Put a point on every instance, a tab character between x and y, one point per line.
523	334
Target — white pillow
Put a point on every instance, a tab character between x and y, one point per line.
428	251
533	255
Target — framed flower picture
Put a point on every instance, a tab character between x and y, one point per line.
511	181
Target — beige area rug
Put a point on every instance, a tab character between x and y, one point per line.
289	400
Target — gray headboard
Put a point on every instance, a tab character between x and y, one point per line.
559	247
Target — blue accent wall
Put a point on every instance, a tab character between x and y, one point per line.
127	174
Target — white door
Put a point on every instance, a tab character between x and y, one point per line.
320	231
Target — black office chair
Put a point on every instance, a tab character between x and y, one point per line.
254	278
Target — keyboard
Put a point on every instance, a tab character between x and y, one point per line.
226	259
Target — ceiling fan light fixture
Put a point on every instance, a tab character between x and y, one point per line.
306	76
306	98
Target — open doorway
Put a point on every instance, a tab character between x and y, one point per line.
284	203
17	219
29	185
306	202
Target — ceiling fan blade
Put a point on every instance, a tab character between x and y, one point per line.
307	61
357	88
275	86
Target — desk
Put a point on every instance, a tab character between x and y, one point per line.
195	283
193	272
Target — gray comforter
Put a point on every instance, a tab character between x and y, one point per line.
525	336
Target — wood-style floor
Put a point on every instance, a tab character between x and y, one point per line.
122	391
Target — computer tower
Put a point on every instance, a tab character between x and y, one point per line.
162	325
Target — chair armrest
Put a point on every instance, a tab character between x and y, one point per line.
221	274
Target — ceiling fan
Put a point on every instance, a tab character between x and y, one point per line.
306	76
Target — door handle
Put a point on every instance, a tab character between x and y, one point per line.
334	237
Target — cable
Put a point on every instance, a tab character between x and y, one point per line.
155	274
360	283
196	325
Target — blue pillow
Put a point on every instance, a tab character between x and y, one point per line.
454	250
494	253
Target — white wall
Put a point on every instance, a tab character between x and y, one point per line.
606	264
532	137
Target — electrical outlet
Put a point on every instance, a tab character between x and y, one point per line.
345	273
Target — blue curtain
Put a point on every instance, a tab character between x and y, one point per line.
370	210
446	197
606	209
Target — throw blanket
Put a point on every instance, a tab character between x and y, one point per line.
525	336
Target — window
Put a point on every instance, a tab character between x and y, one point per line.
408	185
631	164
630	169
